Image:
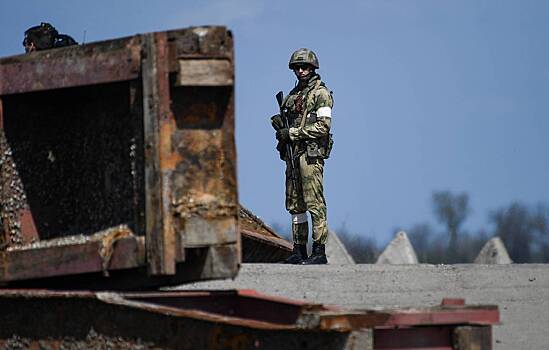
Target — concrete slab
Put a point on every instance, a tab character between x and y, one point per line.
336	252
398	251
493	252
520	290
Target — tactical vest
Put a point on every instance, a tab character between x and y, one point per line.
299	105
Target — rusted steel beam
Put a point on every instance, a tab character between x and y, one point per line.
261	248
137	168
114	60
260	243
207	42
251	222
241	305
209	319
158	126
201	264
205	202
472	338
472	315
201	232
128	324
195	172
111	250
205	72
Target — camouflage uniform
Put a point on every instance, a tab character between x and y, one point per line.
310	140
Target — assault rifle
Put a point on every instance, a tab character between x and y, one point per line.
289	150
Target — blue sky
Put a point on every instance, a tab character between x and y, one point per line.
429	95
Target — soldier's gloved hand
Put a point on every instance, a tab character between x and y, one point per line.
283	135
276	122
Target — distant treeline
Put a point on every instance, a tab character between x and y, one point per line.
524	229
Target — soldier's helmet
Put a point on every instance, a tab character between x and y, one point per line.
43	36
303	56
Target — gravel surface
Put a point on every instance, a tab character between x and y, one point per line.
93	341
12	196
520	290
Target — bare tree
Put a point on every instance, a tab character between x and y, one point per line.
421	236
541	225
363	249
451	210
524	231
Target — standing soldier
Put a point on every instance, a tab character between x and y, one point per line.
304	142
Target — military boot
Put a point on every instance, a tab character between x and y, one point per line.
318	256
299	253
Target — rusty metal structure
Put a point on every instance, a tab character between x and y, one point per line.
260	243
241	319
120	155
118	172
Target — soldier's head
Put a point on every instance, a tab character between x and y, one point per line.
303	62
40	37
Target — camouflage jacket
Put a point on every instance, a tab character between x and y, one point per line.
315	102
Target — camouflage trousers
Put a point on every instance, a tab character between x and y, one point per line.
309	196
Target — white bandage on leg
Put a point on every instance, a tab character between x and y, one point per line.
299	218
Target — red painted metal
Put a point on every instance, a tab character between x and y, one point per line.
244	311
452	302
467	315
79	256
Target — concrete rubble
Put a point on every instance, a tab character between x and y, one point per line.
493	252
399	251
336	252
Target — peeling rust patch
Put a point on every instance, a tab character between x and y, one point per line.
205	205
107	245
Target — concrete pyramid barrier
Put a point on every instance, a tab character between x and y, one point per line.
399	251
336	252
493	252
